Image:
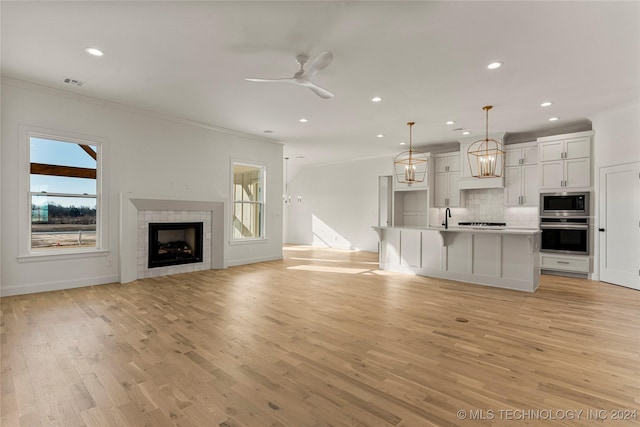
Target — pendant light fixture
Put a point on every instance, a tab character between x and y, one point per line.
486	156
410	166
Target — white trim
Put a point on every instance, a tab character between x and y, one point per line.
130	204
129	109
248	241
263	214
615	109
25	132
566	136
62	255
7	291
245	261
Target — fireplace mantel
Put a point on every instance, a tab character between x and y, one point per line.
130	205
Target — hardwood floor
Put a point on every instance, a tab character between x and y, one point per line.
321	338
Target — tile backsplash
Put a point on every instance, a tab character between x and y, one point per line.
488	205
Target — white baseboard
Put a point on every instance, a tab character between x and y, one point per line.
244	261
33	288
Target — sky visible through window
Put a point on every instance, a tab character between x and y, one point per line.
64	154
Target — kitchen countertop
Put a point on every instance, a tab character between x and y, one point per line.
457	229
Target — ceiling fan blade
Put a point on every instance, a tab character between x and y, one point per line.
319	62
322	93
287	80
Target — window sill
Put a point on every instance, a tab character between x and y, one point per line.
47	256
248	241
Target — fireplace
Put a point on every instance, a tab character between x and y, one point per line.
174	243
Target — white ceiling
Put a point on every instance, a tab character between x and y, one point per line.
426	59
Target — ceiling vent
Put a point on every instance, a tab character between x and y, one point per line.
73	82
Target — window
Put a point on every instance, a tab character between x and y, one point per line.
64	194
248	201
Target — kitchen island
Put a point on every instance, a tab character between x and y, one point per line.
500	257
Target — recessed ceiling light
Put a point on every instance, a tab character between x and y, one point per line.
494	65
450	122
376	99
546	103
380	135
466	132
553	119
403	143
303	120
93	51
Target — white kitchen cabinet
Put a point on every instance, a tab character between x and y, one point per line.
449	162
565	174
565	161
447	177
525	153
570	148
521	175
570	263
502	258
521	185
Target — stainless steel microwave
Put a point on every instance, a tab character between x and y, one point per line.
564	204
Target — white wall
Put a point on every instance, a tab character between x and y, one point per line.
616	142
339	204
147	155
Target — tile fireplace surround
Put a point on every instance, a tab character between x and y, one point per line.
138	212
147	216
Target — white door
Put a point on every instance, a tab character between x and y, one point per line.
620	222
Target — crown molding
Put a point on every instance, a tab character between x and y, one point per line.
22	84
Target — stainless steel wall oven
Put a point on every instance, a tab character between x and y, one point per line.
564	221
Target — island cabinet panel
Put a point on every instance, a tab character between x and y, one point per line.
432	250
410	245
486	254
507	258
459	252
390	246
516	257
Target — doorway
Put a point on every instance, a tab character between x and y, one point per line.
619	225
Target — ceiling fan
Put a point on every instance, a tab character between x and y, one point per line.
303	77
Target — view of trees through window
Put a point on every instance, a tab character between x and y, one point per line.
63	194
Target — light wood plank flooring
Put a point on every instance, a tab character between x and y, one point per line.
321	338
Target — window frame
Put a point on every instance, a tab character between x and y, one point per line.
25	252
263	202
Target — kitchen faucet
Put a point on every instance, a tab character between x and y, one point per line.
447	215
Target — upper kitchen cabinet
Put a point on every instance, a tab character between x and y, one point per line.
446	192
565	161
525	153
521	175
467	180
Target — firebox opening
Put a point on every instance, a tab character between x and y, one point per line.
174	243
